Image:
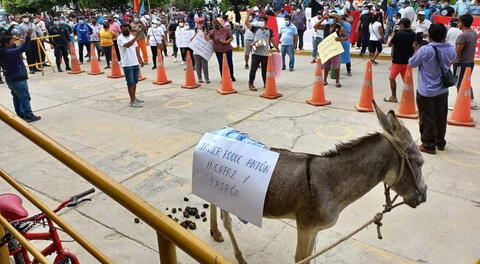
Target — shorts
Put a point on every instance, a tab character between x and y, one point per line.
396	69
333	62
375	45
131	74
248	49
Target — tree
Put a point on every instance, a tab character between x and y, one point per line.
37	6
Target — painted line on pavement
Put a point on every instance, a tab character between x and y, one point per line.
348	132
453	160
182	103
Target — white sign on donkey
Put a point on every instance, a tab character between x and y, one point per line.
233	175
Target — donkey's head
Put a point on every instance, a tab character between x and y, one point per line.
409	184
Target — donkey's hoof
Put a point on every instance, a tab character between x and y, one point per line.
217	236
241	260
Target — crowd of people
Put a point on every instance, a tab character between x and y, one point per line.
408	28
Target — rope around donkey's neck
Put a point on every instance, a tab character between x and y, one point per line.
376	219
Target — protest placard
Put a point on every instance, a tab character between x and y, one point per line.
329	48
182	38
201	46
233	175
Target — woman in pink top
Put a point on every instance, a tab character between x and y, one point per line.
222	37
115	27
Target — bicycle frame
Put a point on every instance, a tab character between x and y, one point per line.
52	235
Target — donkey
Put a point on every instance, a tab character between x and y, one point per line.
314	189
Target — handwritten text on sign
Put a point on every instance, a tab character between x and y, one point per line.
182	38
329	48
201	46
233	175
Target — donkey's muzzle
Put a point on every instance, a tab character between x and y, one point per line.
421	198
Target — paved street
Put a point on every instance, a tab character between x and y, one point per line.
149	150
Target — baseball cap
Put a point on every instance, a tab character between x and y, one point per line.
421	13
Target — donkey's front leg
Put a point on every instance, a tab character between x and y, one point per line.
305	243
214	232
227	223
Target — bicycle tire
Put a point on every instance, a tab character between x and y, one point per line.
13	244
66	259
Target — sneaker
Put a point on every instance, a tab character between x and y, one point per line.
233	79
200	81
291	69
283	68
252	87
32	118
207	81
374	62
154	67
135	104
32	72
107	67
175	60
349	73
68	69
450	108
139	101
182	63
247	67
473	105
313	61
59	69
1	81
441	148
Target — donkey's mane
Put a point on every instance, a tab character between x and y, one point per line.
345	146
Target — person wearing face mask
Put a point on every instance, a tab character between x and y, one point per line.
140	28
172	27
127	16
156	38
288	38
106	36
131	61
391	10
222	38
363	28
182	26
94	37
16	74
319	34
33	57
60	44
300	21
447	10
262	38
421	27
407	11
474	9
82	31
114	26
333	26
248	38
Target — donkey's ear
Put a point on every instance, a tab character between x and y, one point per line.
395	125
382	118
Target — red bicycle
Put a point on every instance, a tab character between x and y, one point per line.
11	208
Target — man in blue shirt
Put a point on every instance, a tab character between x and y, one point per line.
83	31
461	7
16	76
391	10
288	38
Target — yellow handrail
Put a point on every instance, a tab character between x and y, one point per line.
5	224
171	231
59	221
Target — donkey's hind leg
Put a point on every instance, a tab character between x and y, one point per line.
305	244
214	232
227	223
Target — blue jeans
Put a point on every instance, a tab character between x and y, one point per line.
316	41
21	98
131	74
288	49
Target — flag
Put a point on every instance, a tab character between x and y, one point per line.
136	5
142	7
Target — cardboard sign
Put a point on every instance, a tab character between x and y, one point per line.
329	48
202	47
182	38
233	175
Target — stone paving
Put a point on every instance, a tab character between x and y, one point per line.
149	150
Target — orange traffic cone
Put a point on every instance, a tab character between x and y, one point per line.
461	115
161	74
116	72
366	97
407	103
190	82
75	65
318	93
270	87
227	86
94	66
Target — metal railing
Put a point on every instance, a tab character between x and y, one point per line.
169	233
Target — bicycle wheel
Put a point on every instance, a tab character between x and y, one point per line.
13	244
67	258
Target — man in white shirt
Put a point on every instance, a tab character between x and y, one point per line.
453	32
131	59
156	39
422	25
315	23
408	11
